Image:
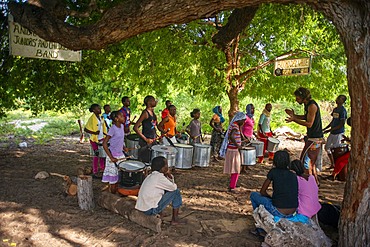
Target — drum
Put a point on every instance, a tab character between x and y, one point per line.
183	139
273	144
184	156
202	155
339	151
132	142
168	152
131	173
248	156
259	147
100	152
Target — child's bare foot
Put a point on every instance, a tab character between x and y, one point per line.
178	222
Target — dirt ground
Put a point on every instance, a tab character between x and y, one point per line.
38	213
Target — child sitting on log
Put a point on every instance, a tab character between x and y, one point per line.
284	200
159	190
308	191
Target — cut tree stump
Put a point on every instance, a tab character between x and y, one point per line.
125	206
85	192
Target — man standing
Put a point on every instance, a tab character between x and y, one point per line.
312	120
126	113
336	127
264	129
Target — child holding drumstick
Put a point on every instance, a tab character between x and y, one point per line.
115	137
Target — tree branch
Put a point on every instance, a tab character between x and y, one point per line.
126	19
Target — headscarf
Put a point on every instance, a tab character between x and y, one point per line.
248	110
238	116
216	110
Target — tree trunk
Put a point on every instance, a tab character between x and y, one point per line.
352	20
85	192
234	101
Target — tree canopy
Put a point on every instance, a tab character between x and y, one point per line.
180	58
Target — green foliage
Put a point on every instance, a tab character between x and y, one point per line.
277	29
178	62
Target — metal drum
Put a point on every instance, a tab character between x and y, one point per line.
132	172
259	147
184	157
183	139
248	156
132	143
168	152
202	155
273	144
339	151
100	152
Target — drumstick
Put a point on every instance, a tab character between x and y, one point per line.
58	174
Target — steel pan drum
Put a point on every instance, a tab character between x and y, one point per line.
168	152
259	147
132	172
273	144
132	142
184	157
202	155
248	156
339	151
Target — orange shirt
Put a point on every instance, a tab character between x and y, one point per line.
171	124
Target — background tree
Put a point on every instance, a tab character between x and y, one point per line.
129	18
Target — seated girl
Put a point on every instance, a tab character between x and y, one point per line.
284	200
308	191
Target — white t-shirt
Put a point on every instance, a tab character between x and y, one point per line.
100	127
152	190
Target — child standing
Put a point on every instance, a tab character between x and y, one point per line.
194	129
159	190
148	123
115	137
97	129
106	116
217	132
231	146
308	191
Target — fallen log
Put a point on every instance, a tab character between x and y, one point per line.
125	206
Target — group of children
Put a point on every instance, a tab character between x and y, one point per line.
295	192
158	189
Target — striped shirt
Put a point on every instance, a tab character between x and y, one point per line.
236	135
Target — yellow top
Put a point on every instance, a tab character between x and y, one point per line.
93	125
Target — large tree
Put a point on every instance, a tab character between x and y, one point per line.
124	19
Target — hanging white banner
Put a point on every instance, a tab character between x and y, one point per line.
24	43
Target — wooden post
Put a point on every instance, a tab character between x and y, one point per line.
85	192
125	206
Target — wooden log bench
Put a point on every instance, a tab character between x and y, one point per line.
125	206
